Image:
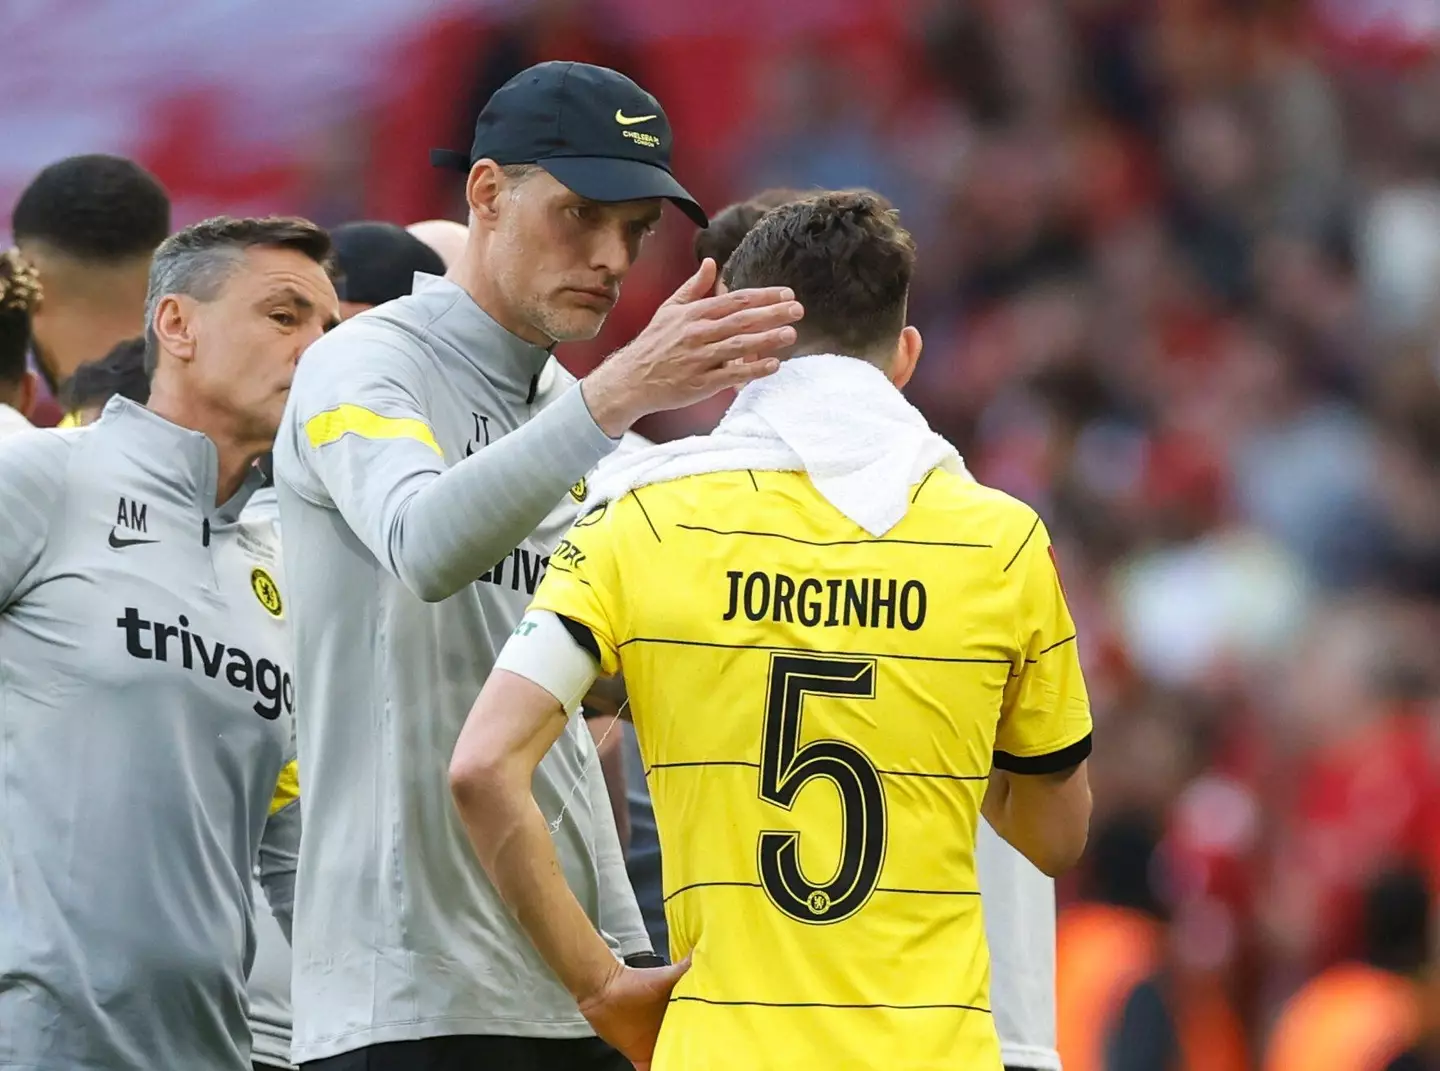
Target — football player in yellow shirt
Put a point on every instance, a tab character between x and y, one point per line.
828	648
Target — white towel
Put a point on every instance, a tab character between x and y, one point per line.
837	419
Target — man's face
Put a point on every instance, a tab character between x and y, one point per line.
249	338
84	311
560	259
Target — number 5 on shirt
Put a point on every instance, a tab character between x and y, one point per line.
786	767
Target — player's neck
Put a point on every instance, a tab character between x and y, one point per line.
236	451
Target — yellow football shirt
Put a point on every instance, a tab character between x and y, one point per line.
817	711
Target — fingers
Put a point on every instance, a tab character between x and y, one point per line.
738	373
749	346
713	308
750	320
697	286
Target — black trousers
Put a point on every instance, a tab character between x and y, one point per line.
474	1052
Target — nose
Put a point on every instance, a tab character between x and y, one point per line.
613	252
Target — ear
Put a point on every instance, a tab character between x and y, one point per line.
29	391
174	326
907	356
482	191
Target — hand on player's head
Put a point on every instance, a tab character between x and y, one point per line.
697	345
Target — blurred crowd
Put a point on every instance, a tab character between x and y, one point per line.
1178	284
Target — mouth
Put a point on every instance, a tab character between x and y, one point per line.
596	295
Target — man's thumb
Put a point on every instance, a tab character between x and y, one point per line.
698	285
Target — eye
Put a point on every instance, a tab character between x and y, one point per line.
284	317
642	229
585	213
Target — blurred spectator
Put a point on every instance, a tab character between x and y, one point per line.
89	225
121	371
376	262
445	236
19	291
1358	1016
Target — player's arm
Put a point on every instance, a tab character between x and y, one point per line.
513	724
280	847
1045	817
511	727
32	488
357	426
1039	793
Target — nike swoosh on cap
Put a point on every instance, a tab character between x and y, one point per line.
631	120
118	543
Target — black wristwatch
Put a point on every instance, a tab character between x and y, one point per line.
644	959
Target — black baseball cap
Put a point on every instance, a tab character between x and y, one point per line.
590	127
376	262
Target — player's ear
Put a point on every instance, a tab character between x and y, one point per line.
907	356
174	325
482	191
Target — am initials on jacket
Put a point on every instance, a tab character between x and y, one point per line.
130	514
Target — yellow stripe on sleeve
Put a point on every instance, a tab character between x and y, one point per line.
287	789
333	424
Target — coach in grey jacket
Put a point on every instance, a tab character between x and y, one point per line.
413	468
146	687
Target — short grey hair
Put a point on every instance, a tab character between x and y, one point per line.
197	260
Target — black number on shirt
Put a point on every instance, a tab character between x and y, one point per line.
786	767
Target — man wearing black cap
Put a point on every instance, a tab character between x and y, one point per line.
376	262
424	443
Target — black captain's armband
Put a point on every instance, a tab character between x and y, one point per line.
868	602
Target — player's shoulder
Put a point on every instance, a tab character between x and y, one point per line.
41	452
960	504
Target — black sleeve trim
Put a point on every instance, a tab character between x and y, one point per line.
582	635
1054	762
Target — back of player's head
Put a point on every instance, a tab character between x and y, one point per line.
376	262
848	260
197	261
731	224
93	208
121	371
19	292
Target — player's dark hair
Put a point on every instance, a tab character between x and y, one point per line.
19	293
731	224
197	260
94	207
849	262
121	371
